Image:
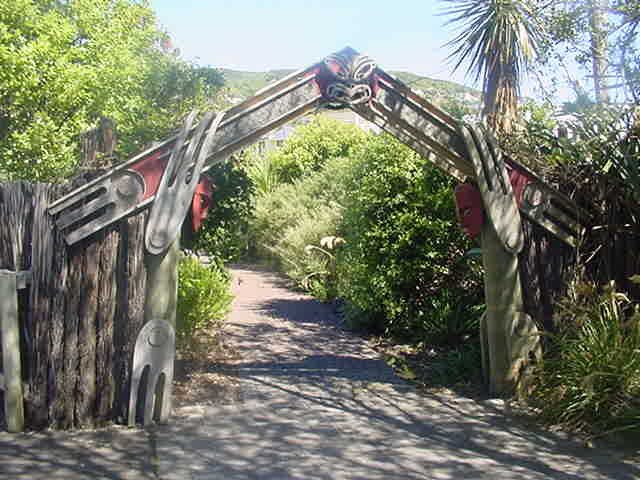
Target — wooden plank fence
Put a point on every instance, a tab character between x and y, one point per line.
80	317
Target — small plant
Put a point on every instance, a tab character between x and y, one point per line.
262	171
590	379
204	297
322	282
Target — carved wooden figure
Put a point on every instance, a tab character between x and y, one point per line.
509	337
153	360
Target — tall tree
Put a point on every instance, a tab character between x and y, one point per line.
498	40
66	63
602	37
598	33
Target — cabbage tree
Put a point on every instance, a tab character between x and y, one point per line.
497	40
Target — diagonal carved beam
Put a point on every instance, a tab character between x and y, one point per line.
133	185
345	79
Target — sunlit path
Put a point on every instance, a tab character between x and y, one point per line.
316	402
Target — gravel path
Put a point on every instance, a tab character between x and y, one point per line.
316	402
312	402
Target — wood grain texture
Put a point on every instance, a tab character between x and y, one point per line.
87	309
105	326
129	318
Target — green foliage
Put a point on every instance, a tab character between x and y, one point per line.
609	141
299	214
590	377
602	153
534	142
461	364
311	145
498	41
402	269
204	297
63	65
224	233
262	172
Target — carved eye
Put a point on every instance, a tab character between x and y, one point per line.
158	336
363	69
465	212
360	94
337	91
532	195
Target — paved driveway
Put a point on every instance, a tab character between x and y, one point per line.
315	402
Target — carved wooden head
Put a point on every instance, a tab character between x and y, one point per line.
469	209
201	202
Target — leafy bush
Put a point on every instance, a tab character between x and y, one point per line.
461	364
590	377
262	172
204	296
297	215
224	233
403	268
311	145
63	65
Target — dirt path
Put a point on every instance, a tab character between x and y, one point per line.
317	402
301	398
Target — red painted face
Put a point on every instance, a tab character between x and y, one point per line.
469	209
201	202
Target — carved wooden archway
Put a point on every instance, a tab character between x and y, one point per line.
164	179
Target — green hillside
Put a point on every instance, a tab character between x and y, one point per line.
455	98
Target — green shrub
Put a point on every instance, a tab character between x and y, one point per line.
224	232
403	269
296	215
313	144
461	364
262	172
204	296
590	377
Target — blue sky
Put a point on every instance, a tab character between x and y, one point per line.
258	35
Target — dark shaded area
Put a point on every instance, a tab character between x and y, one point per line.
107	454
545	265
317	403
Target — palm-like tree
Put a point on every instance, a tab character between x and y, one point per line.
498	40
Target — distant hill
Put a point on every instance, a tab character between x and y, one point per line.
454	98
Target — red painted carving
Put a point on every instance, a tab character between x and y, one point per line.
347	78
151	169
469	208
201	202
519	180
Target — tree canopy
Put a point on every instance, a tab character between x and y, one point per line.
65	64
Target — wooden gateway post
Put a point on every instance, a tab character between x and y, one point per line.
11	376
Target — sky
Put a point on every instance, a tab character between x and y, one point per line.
259	35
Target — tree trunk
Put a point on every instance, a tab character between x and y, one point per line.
598	24
500	102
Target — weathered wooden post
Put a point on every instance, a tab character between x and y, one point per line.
11	377
155	347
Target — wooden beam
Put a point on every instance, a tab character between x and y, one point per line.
12	381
